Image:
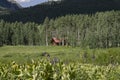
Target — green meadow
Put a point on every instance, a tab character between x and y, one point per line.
23	54
60	63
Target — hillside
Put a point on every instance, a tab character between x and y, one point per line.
3	11
53	9
7	6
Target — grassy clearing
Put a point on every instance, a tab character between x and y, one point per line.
23	54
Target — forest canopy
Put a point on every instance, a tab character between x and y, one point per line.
100	30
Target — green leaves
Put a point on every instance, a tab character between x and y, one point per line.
44	70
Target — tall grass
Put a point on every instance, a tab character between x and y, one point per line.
22	54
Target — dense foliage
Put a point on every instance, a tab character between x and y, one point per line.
45	70
96	31
56	9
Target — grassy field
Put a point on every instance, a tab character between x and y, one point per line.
64	63
23	54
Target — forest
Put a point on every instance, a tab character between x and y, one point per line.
55	9
99	30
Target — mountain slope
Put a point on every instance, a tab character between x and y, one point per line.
53	9
11	4
4	11
7	6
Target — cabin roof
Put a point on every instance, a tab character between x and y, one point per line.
56	40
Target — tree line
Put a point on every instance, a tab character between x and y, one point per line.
100	30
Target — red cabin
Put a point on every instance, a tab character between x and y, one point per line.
55	41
